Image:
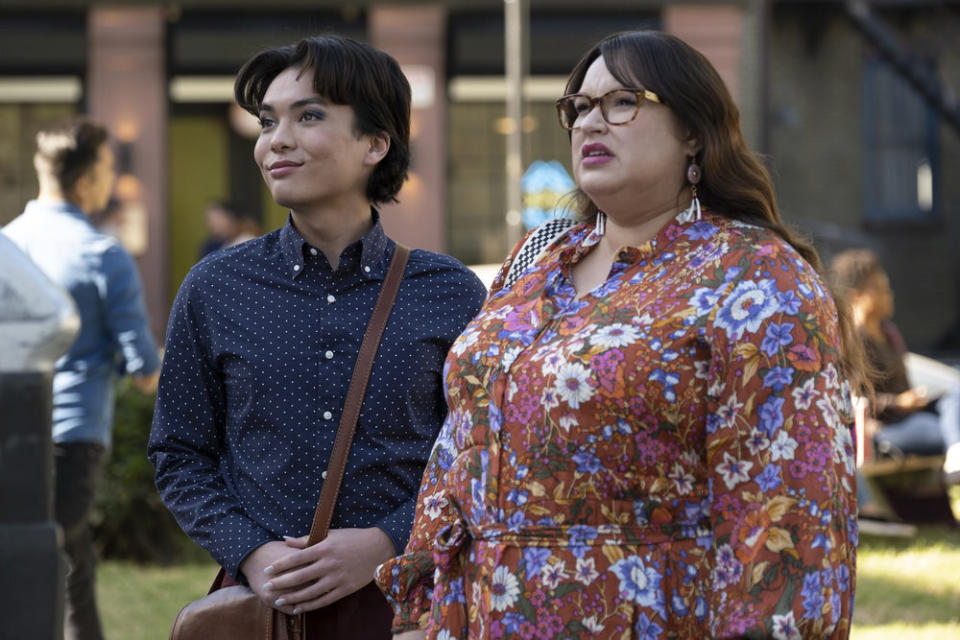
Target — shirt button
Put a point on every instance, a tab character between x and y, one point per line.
328	355
324	475
327	415
331	299
296	267
367	269
313	251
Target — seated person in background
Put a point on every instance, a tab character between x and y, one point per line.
912	421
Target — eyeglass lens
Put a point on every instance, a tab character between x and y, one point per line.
616	107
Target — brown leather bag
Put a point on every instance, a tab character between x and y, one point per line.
231	611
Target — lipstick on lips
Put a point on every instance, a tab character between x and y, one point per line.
281	168
594	154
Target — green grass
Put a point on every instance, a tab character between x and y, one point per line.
139	602
906	588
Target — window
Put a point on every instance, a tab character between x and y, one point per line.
900	149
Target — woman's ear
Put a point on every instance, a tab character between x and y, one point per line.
379	146
693	146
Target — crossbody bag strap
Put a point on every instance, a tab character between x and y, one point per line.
358	385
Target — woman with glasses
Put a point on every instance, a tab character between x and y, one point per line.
647	433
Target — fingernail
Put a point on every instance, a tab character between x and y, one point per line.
268	570
288	537
280	602
268	586
296	611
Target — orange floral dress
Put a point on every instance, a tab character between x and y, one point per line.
667	456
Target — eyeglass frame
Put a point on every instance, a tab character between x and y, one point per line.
641	94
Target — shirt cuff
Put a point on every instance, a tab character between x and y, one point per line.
397	525
235	538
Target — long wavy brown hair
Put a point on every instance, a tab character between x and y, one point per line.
734	183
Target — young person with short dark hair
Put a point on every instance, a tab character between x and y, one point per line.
263	338
74	166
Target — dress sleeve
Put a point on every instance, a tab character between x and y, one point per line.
407	580
186	441
779	457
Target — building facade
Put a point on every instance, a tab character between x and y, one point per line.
858	157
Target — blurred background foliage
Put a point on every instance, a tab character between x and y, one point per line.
129	520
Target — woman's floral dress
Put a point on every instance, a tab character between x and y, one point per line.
668	456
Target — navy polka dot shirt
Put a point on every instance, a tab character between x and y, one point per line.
261	345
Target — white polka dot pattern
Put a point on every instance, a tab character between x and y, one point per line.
260	348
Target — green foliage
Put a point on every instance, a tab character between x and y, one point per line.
129	520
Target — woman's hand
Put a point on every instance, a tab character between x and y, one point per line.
416	634
913	399
309	578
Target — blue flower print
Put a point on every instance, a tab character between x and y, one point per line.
778	335
789	302
747	306
638	583
704	300
812	596
778	377
769	479
534	558
771	415
454	592
587	462
701	230
646	629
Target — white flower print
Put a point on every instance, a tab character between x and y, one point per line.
590	622
785	627
757	442
614	335
573	384
734	471
566	421
681	479
729	411
586	571
465	341
804	394
830	376
828	411
553	574
434	504
505	589
783	448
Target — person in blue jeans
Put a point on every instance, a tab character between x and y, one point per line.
912	421
74	165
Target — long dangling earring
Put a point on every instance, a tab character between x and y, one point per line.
693	177
600	226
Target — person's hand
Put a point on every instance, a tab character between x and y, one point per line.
416	634
913	399
313	577
252	568
147	383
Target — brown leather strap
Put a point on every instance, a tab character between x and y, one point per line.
358	386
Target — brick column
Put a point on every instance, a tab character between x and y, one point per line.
126	90
716	31
415	36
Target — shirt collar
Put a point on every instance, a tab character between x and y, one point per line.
371	248
56	206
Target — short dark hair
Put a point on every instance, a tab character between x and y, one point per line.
350	73
67	150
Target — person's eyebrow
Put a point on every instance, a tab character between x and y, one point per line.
299	103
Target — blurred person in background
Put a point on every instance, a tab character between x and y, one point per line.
227	225
74	165
263	338
911	421
648	433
